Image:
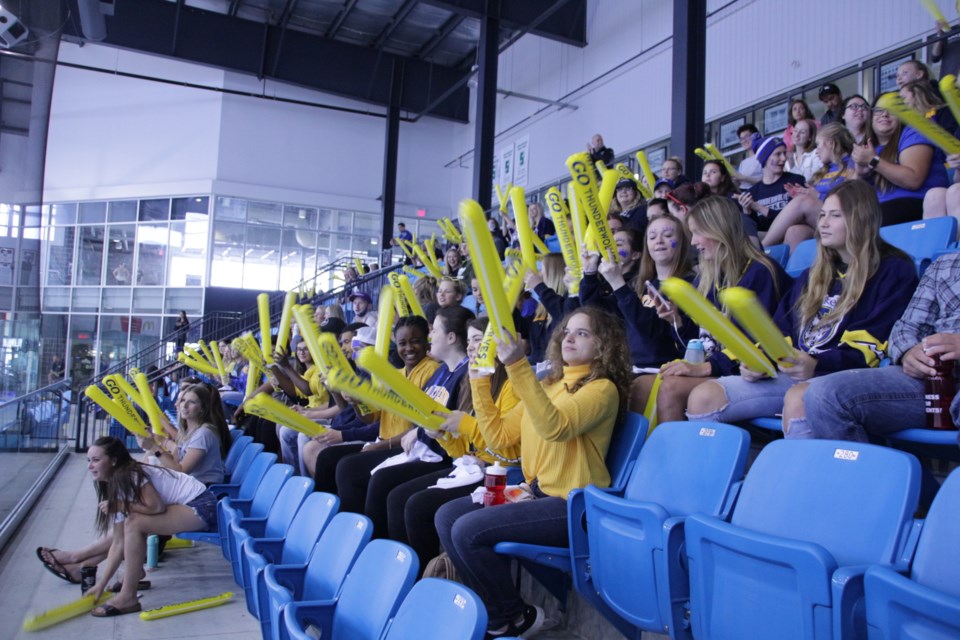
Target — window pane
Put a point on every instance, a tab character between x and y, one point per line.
324	219
113	339
28	299
58	250
189	300
345	221
293	257
261	263
265	213
154	210
123	211
120	245
61	214
93	212
152	242
183	207
83	334
144	333
91	256
116	300
86	299
147	300
56	299
227	257
31	222
230	209
188	244
300	217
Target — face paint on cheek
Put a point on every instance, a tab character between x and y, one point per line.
673	244
623	253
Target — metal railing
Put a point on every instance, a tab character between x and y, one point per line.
39	420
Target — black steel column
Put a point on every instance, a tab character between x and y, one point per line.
689	78
486	116
390	153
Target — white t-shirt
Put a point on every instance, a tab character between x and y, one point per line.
210	468
750	167
172	486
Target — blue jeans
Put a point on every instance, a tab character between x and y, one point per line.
469	532
850	405
747	400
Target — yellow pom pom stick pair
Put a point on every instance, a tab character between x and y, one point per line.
487	267
568	242
218	359
608	188
645	169
149	404
712	150
450	231
748	311
710	318
185	607
117	385
121	411
487	351
393	379
196	365
283	334
625	172
347	382
951	94
928	128
585	184
430	265
400	303
384	321
502	196
64	612
409	295
311	336
263	307
406	247
703	155
358	265
267	407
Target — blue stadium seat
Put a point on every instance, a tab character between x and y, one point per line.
802	257
628	556
281	514
333	556
927	443
231	510
294	548
243	466
552	566
236	449
553	244
811	516
927	603
438	609
922	239
370	597
779	252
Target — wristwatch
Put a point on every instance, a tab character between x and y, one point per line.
874	162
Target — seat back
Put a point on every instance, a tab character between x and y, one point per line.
309	522
236	449
689	467
625	445
802	257
334	554
295	490
268	490
438	609
779	252
936	563
922	239
856	500
254	476
245	462
371	594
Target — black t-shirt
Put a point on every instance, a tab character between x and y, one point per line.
774	196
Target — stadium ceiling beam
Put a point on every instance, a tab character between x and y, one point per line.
568	24
244	46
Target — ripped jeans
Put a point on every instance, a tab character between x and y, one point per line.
761	399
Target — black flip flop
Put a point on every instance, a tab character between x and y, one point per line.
110	611
143	585
55	567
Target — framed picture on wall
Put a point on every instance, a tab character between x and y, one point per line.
655	158
728	133
775	118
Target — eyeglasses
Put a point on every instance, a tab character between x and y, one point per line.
857	106
880	112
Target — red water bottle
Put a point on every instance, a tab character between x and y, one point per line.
938	395
495	482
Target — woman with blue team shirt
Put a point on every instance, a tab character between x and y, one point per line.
901	164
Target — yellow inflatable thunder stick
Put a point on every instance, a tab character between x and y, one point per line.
263	307
265	406
568	243
358	265
645	170
406	247
400	304
121	412
487	267
539	245
385	374
502	197
625	172
286	316
346	381
123	400
154	413
928	128
951	94
934	10
712	150
185	607
487	351
524	232
710	318
249	349
427	263
411	296
193	354
197	365
744	306
224	376
703	155
332	352
384	322
585	185
207	352
254	375
577	221
608	188
310	334
450	231
117	385
64	612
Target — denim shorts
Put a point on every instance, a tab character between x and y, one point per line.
205	506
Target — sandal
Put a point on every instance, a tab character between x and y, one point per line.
110	611
143	585
54	566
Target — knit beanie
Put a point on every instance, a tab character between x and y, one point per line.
765	147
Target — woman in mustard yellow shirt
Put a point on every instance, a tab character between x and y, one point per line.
563	428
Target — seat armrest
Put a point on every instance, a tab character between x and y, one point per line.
297	615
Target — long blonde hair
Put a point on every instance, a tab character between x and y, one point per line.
719	219
553	268
843	142
862	216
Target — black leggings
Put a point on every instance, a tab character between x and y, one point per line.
325	478
901	210
411	507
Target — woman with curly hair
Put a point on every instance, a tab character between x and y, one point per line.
563	427
136	500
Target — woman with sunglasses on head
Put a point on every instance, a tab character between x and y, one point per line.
900	164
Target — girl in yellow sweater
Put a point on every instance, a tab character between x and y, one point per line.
563	428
